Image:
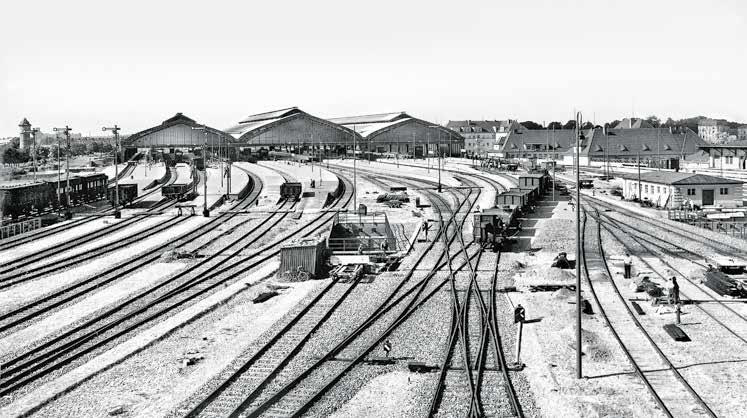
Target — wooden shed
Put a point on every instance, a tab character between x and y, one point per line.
307	254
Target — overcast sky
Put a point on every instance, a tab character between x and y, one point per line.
136	63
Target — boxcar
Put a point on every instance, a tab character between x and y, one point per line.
290	190
512	197
127	194
533	180
495	225
92	187
20	199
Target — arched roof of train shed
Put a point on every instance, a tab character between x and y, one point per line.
257	129
174	132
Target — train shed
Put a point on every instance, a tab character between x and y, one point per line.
291	129
400	133
174	133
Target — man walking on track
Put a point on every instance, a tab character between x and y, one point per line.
628	263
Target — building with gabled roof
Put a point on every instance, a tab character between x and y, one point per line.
654	147
538	143
673	189
400	133
483	138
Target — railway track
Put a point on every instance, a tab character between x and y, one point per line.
229	397
300	394
23	314
669	389
720	312
32	236
98	332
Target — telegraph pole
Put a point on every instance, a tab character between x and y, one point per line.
115	129
205	211
355	174
579	373
66	130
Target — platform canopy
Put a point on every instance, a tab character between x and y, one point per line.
175	132
289	126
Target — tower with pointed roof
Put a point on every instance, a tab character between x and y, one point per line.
25	134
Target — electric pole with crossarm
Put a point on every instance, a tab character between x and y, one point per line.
115	130
66	130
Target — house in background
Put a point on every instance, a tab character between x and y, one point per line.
483	138
713	131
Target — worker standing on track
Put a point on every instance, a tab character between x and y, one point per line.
628	264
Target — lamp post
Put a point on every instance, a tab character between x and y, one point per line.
115	129
66	130
205	211
578	246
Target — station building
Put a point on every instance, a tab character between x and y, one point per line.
175	133
670	190
293	130
400	133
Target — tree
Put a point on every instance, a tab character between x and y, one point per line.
532	125
587	125
654	121
555	125
571	124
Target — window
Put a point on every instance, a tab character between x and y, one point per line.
658	189
729	160
646	188
691	192
724	190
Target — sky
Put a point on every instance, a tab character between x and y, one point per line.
135	63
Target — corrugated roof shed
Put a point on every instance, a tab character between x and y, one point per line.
375	118
675	179
275	114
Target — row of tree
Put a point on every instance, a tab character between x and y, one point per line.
11	153
653	120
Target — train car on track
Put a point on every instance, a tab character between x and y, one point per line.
496	225
290	190
183	186
127	194
22	198
92	187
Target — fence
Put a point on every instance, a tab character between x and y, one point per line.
733	228
19	228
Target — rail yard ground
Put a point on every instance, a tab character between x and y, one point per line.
175	322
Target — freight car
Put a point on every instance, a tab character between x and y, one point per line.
290	190
496	225
183	186
127	194
24	198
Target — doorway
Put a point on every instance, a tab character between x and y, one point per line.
707	197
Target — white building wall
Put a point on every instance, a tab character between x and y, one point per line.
728	159
672	196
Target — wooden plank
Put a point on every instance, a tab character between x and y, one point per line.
676	333
638	308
